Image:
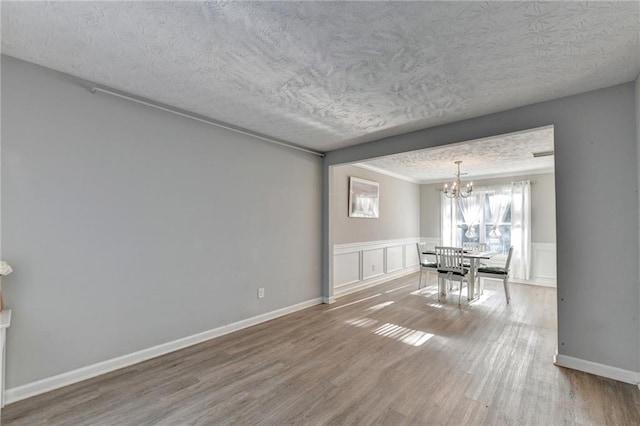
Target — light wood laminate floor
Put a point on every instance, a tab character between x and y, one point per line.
387	355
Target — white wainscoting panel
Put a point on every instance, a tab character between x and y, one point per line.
395	259
372	263
361	265
346	267
543	263
410	255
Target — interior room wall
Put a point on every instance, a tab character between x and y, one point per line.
399	208
430	219
129	227
637	87
595	154
543	206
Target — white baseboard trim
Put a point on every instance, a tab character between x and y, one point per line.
598	369
50	383
328	300
539	283
343	291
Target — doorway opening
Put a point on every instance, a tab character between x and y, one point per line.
512	204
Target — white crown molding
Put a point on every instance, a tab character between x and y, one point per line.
50	383
478	177
385	172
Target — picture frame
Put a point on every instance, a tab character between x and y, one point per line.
364	198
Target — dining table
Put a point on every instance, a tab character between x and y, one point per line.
474	258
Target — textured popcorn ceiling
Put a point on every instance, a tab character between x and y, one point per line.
504	155
328	75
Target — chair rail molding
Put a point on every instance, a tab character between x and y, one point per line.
364	264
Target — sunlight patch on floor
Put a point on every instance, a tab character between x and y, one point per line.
362	322
483	297
433	293
425	292
403	334
379	306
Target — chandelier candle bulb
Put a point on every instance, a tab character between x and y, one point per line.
456	187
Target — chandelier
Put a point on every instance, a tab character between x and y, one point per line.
456	188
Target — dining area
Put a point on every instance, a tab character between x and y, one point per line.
441	197
464	265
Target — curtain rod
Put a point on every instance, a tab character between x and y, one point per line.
208	121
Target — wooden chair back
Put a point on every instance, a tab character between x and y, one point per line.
508	264
422	247
449	259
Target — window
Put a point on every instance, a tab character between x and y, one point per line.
498	216
492	229
484	217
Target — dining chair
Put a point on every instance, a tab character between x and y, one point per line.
425	265
474	246
498	273
451	267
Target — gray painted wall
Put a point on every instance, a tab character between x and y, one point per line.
430	220
399	208
129	227
595	145
637	86
543	206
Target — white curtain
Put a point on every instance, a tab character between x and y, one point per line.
449	210
521	229
498	205
471	208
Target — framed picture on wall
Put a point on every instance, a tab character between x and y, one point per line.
364	198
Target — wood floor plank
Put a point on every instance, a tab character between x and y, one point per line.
388	355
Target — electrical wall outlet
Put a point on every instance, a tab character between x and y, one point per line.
260	293
373	267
